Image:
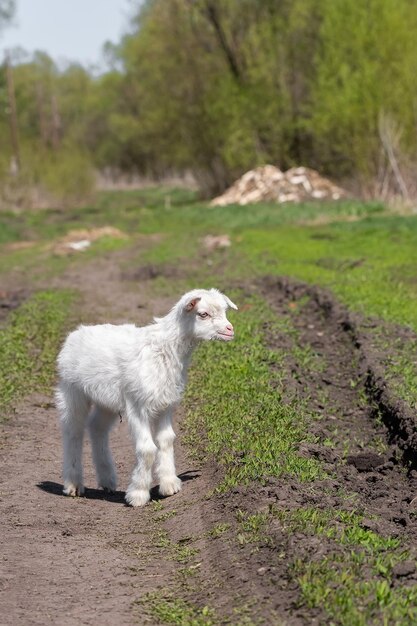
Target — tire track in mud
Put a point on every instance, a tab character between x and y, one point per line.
382	402
365	435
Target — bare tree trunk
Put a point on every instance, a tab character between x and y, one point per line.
214	19
13	115
390	136
56	123
43	126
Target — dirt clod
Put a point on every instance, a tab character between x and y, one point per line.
405	568
10	300
365	461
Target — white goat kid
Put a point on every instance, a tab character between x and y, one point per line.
138	372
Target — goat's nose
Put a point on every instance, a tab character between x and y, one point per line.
229	327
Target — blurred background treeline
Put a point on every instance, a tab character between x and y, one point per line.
213	88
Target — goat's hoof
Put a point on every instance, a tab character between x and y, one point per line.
108	490
170	486
137	497
73	490
108	486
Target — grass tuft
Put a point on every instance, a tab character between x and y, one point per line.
28	345
171	610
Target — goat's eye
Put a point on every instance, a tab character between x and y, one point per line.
203	315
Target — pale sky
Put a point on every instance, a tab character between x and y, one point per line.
68	30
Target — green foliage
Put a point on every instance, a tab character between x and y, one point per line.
51	118
356	260
7	9
336	583
253	528
292	82
300	81
168	209
232	395
177	551
67	176
400	365
28	345
219	529
366	49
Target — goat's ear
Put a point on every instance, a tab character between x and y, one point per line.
229	303
191	304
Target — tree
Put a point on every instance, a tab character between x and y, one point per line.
220	86
7	9
365	66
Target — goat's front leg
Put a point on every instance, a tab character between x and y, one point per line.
169	483
138	492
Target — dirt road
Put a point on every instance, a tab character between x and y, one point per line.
85	560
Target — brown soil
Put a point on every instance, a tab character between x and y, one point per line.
92	560
9	300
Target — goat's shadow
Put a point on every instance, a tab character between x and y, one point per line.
117	497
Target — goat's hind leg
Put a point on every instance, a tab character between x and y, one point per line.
99	426
74	407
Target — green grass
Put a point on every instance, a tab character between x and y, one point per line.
400	366
343	527
41	262
337	585
360	262
219	529
171	610
337	582
231	397
369	263
402	375
178	551
28	345
131	211
253	528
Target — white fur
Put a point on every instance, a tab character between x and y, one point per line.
137	372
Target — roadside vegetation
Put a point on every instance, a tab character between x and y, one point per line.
28	346
250	430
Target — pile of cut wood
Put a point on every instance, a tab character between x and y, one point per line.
268	183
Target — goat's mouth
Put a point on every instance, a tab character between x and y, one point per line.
224	336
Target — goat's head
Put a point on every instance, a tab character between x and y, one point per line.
205	312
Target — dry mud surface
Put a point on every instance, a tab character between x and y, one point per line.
92	560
